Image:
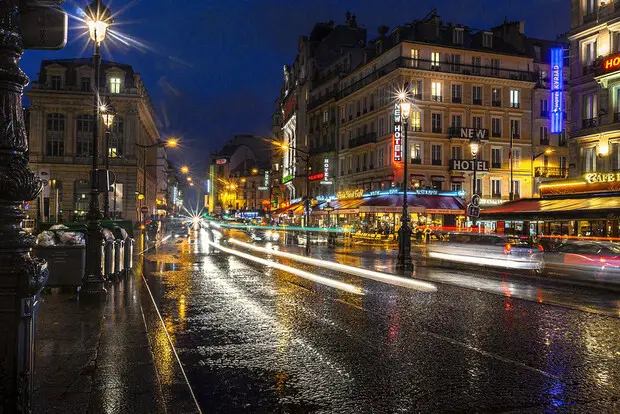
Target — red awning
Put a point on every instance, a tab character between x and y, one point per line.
429	204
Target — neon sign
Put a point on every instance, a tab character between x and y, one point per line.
287	179
326	169
317	176
557	81
609	64
611	177
221	161
343	195
267	179
398	140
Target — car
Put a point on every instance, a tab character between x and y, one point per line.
264	235
488	250
585	260
179	230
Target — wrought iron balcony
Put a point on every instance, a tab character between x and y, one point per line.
551	172
476	101
363	139
496	103
457	99
589	123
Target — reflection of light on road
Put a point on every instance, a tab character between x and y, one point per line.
369	274
297	272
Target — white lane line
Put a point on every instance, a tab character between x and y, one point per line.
364	273
492	355
297	272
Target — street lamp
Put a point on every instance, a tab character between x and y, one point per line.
98	18
185	169
547	151
474	146
404	233
108	113
189	179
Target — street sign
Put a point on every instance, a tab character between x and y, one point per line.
144	209
473	211
475	200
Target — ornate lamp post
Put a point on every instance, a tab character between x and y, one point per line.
404	233
98	18
107	113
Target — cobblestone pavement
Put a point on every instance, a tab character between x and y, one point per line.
256	339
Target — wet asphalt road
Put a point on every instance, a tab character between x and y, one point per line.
255	339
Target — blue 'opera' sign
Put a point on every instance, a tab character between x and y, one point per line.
557	81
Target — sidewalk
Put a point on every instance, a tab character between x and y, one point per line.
96	358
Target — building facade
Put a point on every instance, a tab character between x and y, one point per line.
61	138
595	86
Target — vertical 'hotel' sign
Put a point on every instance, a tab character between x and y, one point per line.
398	137
557	81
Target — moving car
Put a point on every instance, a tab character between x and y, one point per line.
262	235
585	260
488	250
179	230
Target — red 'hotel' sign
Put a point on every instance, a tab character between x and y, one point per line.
611	63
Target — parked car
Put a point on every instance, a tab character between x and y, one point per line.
488	250
585	260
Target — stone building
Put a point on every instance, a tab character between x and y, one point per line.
61	138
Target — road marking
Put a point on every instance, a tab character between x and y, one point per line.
297	272
364	273
492	355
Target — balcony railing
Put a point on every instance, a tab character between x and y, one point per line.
457	99
544	114
496	103
421	64
436	162
476	101
551	172
436	98
437	130
589	123
496	165
416	160
496	134
363	139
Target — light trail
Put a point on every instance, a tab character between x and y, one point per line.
485	261
284	228
297	272
364	273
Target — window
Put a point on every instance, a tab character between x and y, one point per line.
436	123
495	67
544	136
435	59
563	166
544	107
515	101
364	161
496	188
117	138
415	58
515	128
325	117
496	96
589	110
115	85
589	159
436	154
476	122
84	141
457	36
382	130
616	98
516	189
358	108
372	101
455	63
487	39
476	93
380	157
436	91
456	187
496	127
85	84
475	63
589	53
457	120
496	157
55	135
416	88
457	153
416	121
478	189
590	7
56	82
457	93
516	158
416	153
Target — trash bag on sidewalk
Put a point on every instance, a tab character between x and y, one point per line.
59	227
46	238
70	238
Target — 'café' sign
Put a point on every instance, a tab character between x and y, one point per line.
612	177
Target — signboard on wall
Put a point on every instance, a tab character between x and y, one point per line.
398	139
557	84
221	161
468	165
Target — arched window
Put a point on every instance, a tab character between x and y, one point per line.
84	139
55	135
117	138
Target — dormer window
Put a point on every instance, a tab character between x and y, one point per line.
56	82
115	85
457	36
487	39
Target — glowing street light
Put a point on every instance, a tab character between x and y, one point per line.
189	179
254	170
172	142
185	169
98	20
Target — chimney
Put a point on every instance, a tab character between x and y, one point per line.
348	17
353	21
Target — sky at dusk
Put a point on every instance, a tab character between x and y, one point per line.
213	68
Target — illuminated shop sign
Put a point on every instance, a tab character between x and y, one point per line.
557	81
468	165
221	161
612	63
398	139
471	133
263	188
592	178
325	198
287	179
589	183
317	176
296	200
393	191
267	179
343	195
326	180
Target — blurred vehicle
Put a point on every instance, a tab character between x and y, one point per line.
179	229
585	260
488	250
264	235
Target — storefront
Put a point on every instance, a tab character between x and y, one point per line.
585	207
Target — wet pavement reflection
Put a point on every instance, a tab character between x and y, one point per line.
253	338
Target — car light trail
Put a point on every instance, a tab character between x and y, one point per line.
297	272
368	274
507	263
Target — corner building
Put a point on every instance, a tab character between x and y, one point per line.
465	83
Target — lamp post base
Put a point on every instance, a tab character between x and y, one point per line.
93	282
404	261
